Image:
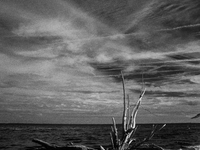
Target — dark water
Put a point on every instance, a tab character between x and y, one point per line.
14	137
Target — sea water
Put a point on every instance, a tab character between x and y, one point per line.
19	136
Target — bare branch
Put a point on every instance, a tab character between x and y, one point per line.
124	110
115	135
153	131
112	142
102	148
128	112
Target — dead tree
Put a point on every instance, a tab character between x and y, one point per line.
127	141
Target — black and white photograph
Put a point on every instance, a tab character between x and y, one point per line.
100	74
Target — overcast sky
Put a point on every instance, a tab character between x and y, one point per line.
60	61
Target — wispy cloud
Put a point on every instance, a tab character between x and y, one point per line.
61	58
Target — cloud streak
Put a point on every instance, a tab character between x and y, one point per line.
63	57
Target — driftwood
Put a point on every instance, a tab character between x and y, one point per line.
128	141
69	146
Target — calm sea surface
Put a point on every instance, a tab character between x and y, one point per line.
19	137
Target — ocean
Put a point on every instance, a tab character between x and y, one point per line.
19	136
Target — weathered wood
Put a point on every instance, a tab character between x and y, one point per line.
124	118
44	144
127	141
69	146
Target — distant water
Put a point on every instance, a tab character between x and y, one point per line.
18	137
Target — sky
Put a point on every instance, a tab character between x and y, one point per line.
61	60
